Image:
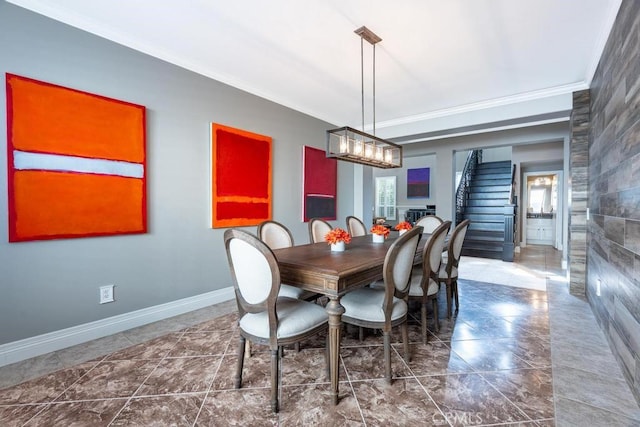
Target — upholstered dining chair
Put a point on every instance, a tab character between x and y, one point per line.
449	269
429	223
264	317
424	280
385	308
277	236
355	226
318	228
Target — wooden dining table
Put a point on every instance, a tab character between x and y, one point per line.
314	267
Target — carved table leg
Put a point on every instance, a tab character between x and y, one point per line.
335	311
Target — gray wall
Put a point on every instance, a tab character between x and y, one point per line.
402	201
52	285
613	233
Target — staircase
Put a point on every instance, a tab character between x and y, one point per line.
488	194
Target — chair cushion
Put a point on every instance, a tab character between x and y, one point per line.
295	317
366	304
290	291
443	272
415	289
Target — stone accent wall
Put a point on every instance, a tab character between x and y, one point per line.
613	253
578	170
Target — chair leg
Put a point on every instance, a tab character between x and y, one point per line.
275	359
240	363
449	289
247	349
436	321
405	339
387	355
454	283
423	312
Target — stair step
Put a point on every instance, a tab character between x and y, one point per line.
483	246
493	174
485	180
500	164
476	188
485	202
487	225
480	253
484	217
487	236
483	209
504	195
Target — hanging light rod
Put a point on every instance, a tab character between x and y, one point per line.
351	145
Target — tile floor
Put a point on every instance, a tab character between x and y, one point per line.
515	355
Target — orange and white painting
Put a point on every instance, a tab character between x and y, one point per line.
76	163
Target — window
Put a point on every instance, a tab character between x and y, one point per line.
386	197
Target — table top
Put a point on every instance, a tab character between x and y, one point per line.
314	267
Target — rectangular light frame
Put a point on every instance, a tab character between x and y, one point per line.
352	145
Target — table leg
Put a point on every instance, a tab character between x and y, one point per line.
335	311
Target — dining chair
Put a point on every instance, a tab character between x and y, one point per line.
318	228
276	236
424	280
355	226
264	317
429	223
449	269
386	308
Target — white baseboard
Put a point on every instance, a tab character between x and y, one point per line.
35	346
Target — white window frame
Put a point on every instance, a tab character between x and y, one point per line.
386	206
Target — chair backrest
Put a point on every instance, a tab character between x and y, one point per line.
355	227
255	273
455	245
398	264
275	235
432	254
429	223
318	228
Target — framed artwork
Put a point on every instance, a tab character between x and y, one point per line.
76	163
241	177
418	183
320	185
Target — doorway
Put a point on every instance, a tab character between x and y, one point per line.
542	209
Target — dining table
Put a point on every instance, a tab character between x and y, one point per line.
314	267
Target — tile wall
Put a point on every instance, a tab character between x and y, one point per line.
613	233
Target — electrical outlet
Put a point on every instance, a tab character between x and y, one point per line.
106	294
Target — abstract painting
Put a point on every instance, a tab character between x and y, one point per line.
76	163
417	183
241	177
320	185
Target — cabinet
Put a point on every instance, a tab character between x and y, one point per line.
541	231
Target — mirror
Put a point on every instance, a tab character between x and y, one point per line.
542	193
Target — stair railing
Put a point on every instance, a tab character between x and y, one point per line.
462	192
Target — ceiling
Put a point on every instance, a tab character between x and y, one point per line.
436	59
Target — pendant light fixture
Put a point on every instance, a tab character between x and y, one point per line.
352	145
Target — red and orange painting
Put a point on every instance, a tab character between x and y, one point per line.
241	177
